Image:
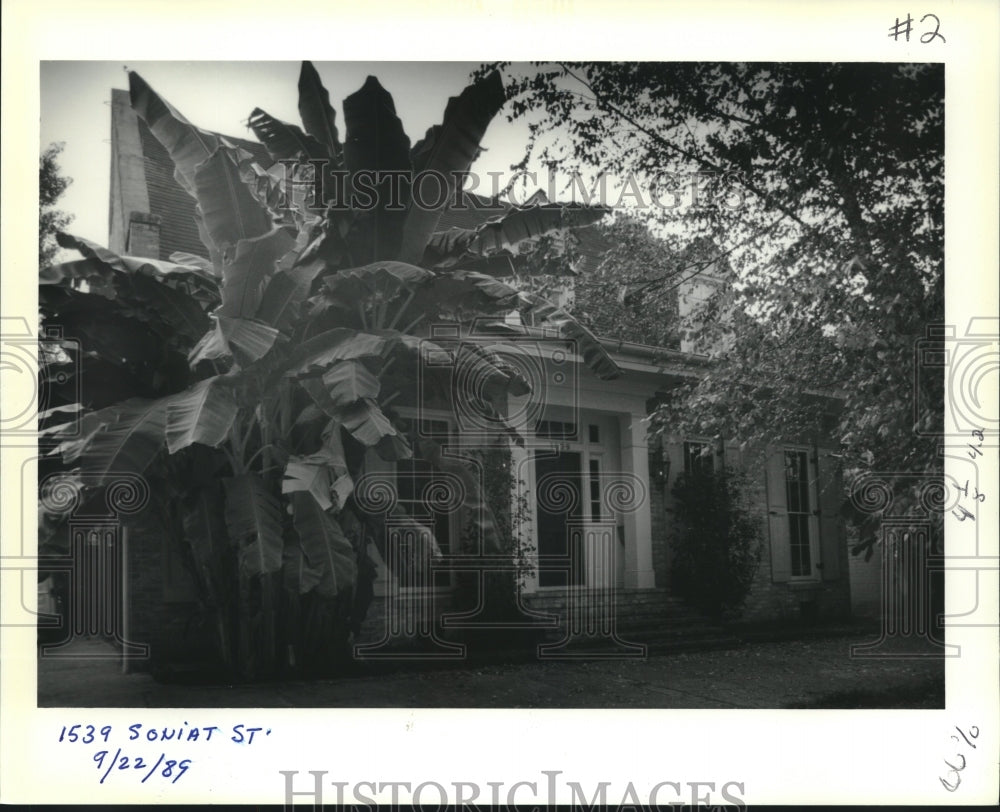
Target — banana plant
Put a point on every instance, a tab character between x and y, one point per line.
268	370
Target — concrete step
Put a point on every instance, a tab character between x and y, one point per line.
654	644
651	606
652	618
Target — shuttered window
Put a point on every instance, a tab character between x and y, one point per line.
803	496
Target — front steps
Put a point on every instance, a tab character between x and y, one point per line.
563	624
625	623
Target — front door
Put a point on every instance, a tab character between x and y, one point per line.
559	497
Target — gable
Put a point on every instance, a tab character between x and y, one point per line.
150	214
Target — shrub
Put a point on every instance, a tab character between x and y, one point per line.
718	548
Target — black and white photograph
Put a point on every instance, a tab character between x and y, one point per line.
507	396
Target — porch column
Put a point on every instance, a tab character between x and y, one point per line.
639	572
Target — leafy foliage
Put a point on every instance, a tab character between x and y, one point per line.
495	593
718	547
822	186
275	367
51	185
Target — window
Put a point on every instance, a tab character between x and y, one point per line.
414	478
595	490
556	430
799	512
803	514
698	457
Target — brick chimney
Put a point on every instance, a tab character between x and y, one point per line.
143	235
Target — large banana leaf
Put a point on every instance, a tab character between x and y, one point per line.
228	210
324	474
317	115
268	188
205	533
143	285
375	144
127	437
480	515
187	145
521	225
99	279
206	168
332	452
194	261
298	574
103	262
348	381
244	279
309	474
124	438
324	544
76	436
202	414
506	232
282	140
489	370
339	344
285	293
383	278
379	281
448	150
253	517
174	307
245	339
366	423
107	259
544	313
465	294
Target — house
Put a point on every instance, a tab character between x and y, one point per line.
596	490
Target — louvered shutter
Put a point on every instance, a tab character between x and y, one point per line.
777	515
830	526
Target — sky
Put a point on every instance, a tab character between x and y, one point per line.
219	96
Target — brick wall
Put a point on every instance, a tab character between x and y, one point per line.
143	235
866	581
791	601
658	522
162	610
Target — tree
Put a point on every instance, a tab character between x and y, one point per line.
51	185
633	293
253	388
822	186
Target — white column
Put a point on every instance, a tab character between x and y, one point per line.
639	572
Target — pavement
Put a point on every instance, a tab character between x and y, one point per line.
818	672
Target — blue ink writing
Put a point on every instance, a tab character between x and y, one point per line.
154	764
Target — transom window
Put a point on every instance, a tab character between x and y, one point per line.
556	430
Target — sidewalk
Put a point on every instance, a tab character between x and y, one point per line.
788	674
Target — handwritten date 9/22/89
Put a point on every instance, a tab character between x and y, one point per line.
164	767
141	755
